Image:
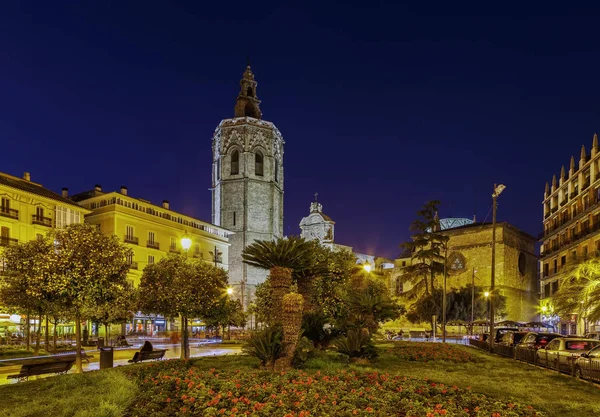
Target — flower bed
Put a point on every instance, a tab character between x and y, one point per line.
426	352
175	388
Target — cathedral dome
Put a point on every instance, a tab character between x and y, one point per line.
452	222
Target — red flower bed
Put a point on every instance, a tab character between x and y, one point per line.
426	352
175	388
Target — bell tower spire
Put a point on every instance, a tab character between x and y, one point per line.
247	103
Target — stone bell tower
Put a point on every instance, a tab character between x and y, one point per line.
247	184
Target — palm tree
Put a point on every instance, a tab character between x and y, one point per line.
580	292
282	257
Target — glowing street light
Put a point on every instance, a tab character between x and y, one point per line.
186	242
497	191
367	267
486	294
229	290
544	309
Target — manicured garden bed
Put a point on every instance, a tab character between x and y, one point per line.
178	389
440	381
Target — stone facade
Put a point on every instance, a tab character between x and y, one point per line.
469	250
470	258
247	184
317	225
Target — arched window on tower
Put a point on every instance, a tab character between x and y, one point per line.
219	168
249	111
258	164
235	162
249	92
276	170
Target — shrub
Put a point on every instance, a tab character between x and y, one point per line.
266	345
317	328
303	352
356	344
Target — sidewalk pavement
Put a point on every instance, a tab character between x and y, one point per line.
122	356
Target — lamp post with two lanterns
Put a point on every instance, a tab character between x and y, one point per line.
497	191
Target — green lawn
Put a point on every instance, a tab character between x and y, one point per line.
94	394
109	393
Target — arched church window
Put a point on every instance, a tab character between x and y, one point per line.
276	170
235	162
249	92
258	163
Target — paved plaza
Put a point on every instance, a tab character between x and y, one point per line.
123	355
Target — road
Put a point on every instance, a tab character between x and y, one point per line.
122	356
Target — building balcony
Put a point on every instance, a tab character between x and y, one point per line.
10	213
7	241
153	245
174	250
578	237
131	239
43	221
591	204
133	265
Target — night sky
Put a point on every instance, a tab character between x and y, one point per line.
382	107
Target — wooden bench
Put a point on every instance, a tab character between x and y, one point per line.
54	367
147	355
72	355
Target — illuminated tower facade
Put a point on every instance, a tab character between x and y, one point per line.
247	184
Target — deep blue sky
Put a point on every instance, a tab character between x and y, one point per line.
382	107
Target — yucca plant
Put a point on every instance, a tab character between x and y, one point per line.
266	345
282	257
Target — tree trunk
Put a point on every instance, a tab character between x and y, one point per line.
426	284
38	331
184	340
27	331
78	365
432	279
305	290
54	334
47	337
280	279
292	323
106	334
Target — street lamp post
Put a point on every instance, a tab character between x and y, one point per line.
186	244
497	191
487	307
444	295
472	299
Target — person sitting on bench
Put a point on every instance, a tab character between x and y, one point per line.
146	347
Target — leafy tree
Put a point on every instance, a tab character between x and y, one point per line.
368	304
118	307
226	313
459	305
579	293
175	286
426	249
26	283
88	268
262	306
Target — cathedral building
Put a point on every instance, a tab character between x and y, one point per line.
247	184
469	263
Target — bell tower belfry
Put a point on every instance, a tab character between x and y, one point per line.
247	184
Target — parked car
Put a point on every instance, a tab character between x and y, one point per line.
561	351
594	335
512	338
587	365
536	340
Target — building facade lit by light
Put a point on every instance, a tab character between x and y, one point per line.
571	209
